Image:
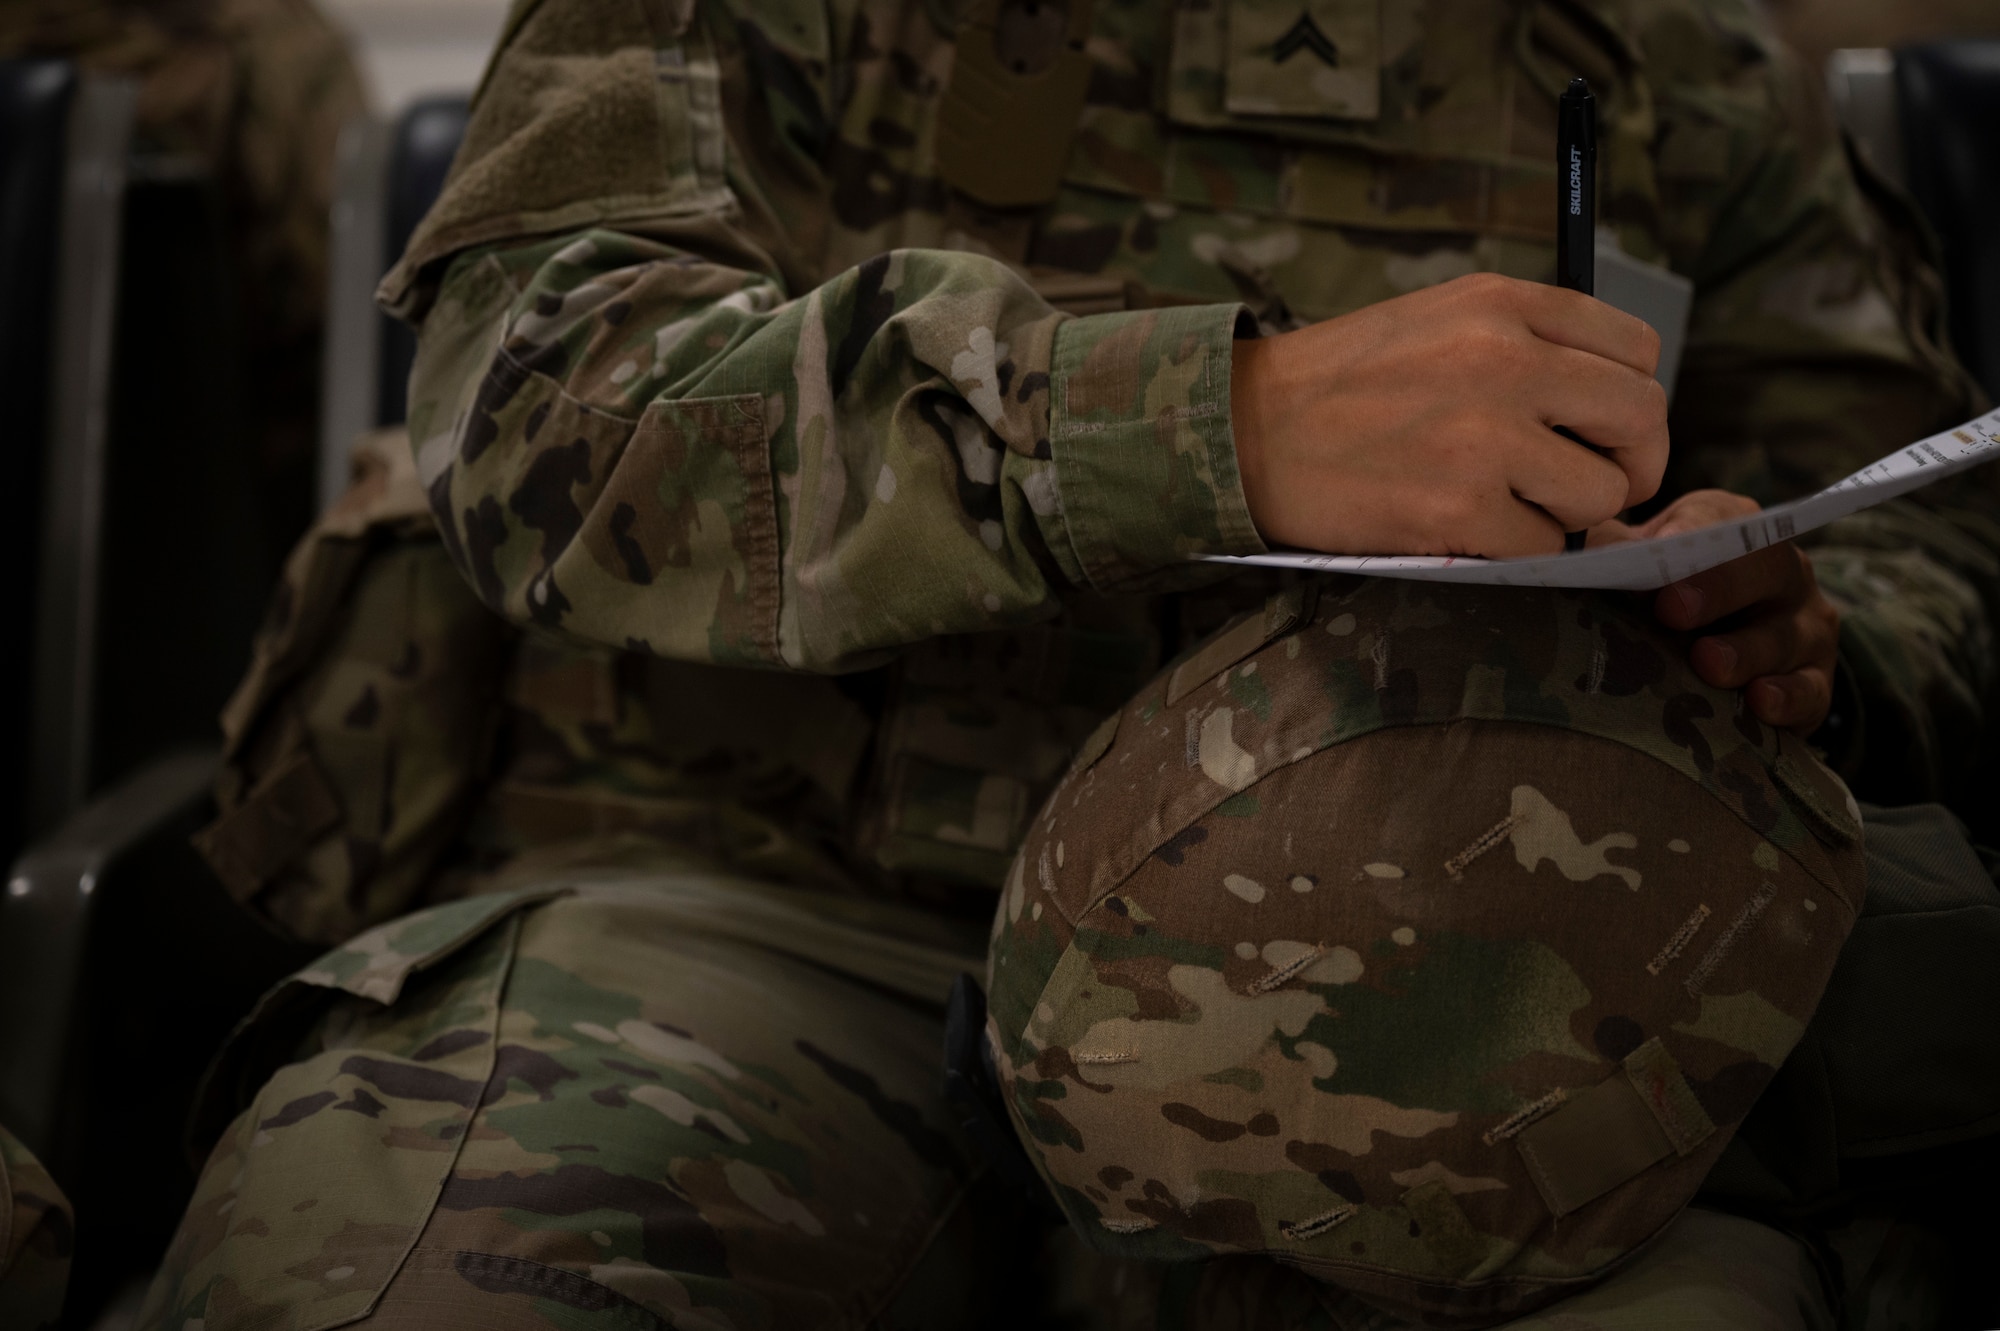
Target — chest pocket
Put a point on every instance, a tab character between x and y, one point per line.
1319	155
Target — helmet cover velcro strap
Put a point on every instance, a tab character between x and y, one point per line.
1614	1131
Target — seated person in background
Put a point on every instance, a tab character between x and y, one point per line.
257	91
782	522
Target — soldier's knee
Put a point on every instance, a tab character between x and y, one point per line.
1356	936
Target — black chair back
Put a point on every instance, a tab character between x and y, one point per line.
180	497
35	97
1948	96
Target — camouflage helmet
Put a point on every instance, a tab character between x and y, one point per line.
1432	940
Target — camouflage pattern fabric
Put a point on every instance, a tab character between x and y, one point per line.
626	1098
256	91
551	401
353	747
1352	941
394	743
618	1099
688	399
715	373
1708	1270
37	1239
692	930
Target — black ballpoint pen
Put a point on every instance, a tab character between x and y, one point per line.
1576	189
1576	210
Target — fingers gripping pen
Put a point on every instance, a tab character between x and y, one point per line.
1576	210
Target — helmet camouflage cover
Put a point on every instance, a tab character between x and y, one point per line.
1432	940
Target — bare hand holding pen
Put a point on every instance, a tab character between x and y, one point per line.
1424	424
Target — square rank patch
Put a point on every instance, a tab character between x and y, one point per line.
1311	59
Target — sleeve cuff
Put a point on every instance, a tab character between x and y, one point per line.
1139	426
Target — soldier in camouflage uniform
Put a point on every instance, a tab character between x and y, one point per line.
36	1234
719	371
256	91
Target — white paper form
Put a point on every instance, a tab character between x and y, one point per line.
1644	565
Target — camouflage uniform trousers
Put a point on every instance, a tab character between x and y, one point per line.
36	1240
653	1093
620	1102
625	1097
683	1099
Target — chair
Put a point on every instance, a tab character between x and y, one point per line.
123	964
62	169
178	493
121	344
122	961
1925	116
386	179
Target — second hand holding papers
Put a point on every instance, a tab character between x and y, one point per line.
1645	565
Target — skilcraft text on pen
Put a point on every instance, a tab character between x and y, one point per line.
1644	565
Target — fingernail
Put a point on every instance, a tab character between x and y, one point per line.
1723	655
1691	601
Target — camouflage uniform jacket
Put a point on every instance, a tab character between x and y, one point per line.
717	371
